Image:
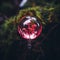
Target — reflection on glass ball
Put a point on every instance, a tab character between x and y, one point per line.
29	27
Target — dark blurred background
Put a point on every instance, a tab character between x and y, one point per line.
10	7
18	49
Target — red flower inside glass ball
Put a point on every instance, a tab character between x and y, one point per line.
29	27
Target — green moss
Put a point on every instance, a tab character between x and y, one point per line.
9	28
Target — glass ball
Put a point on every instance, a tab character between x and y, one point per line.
29	27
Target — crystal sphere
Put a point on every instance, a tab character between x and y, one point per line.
29	27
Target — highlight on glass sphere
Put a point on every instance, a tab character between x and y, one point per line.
29	27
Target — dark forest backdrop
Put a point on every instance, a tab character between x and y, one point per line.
16	48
